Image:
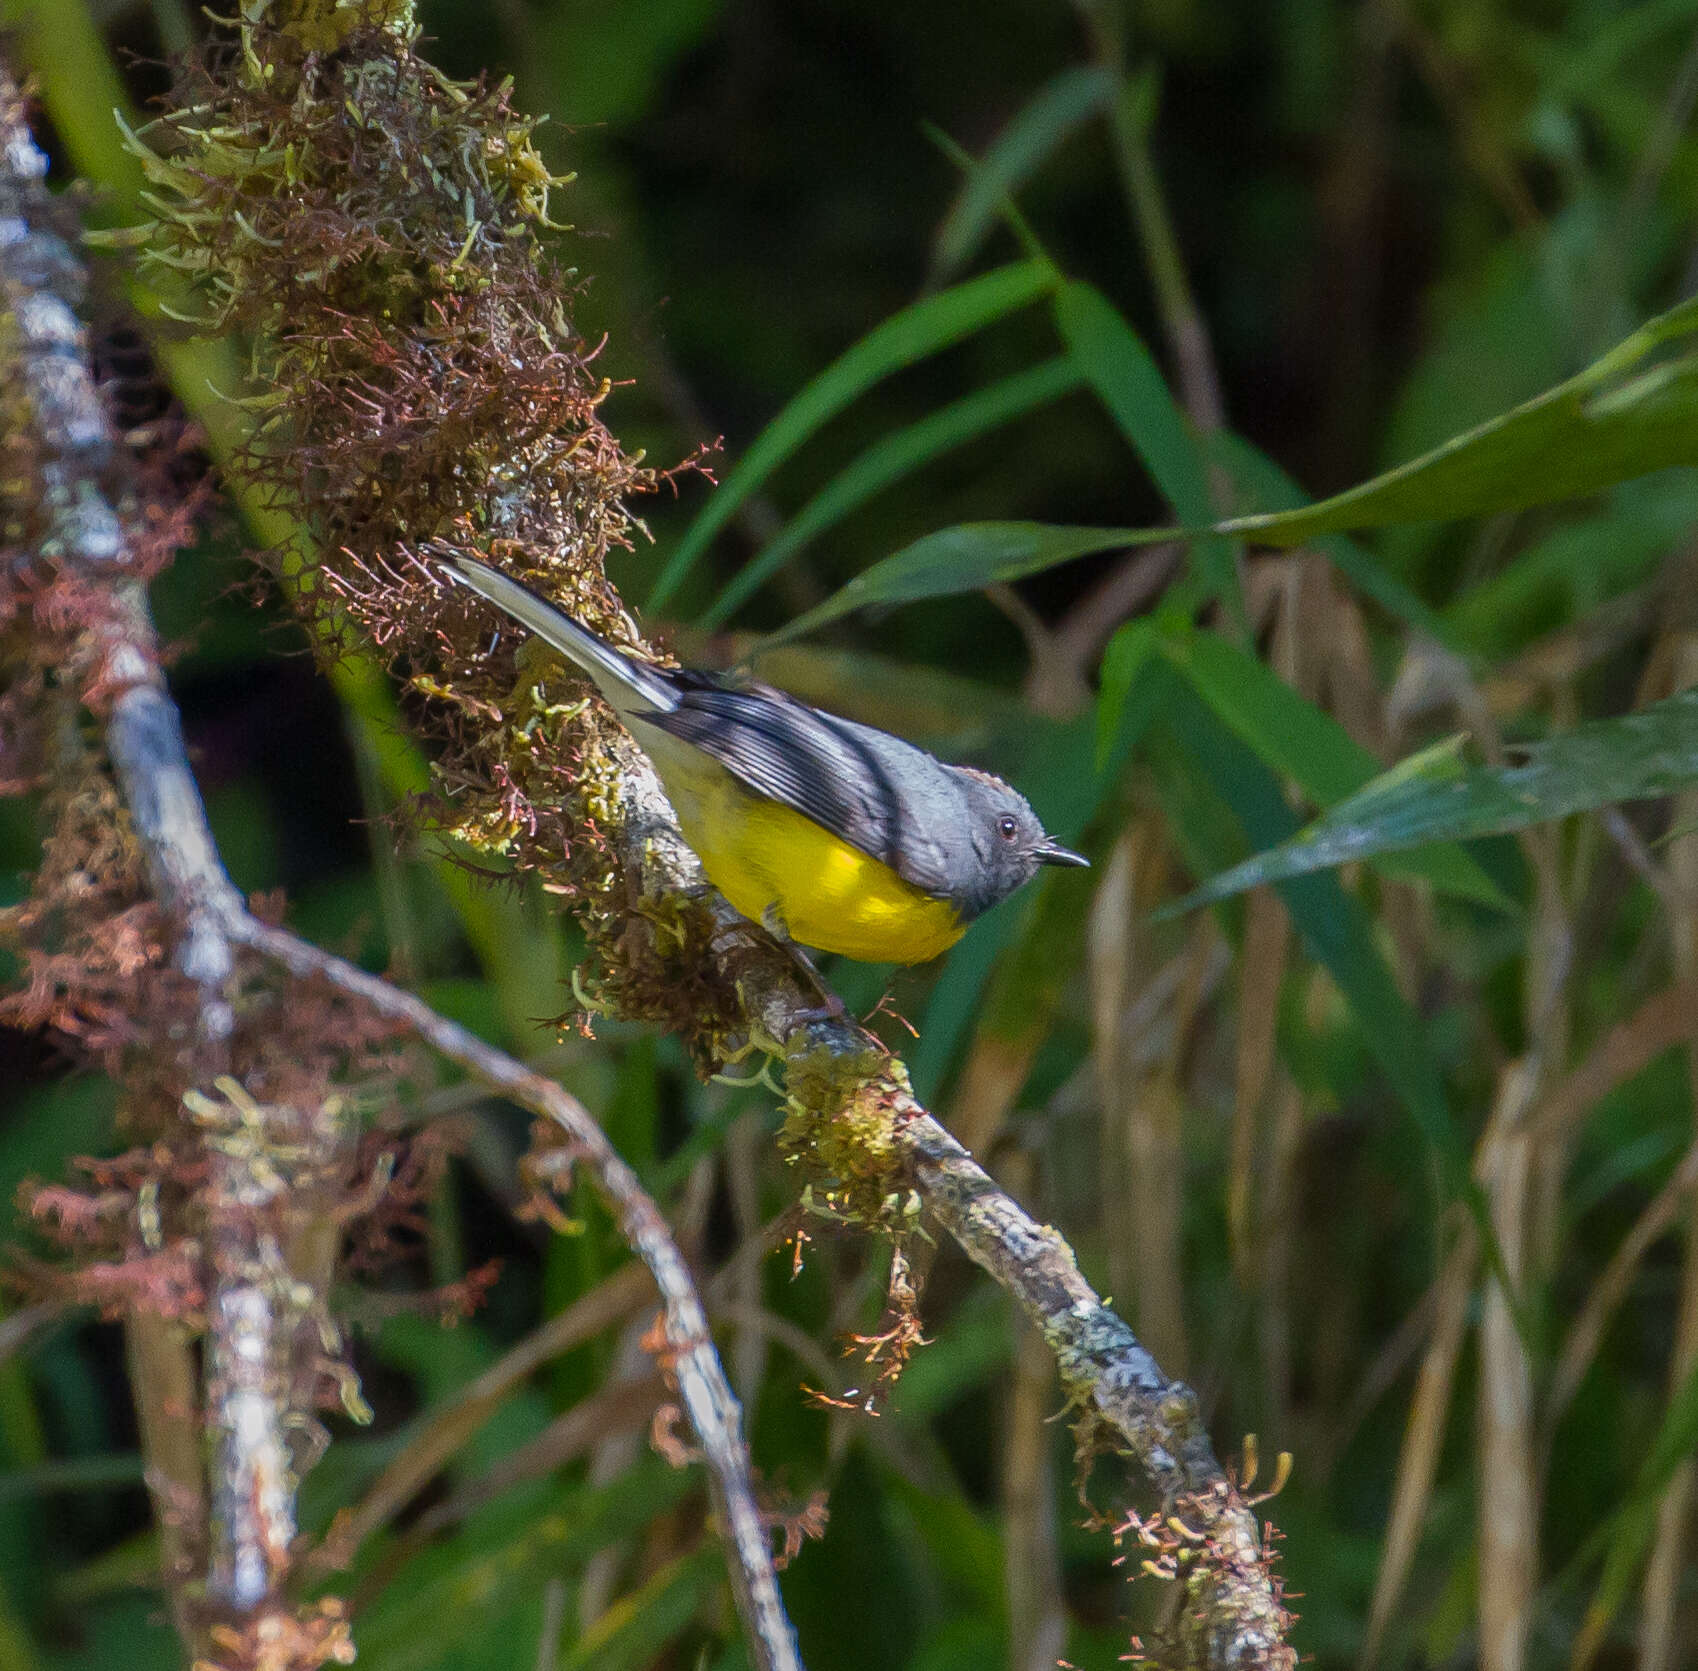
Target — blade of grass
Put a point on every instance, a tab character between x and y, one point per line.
1333	926
894	457
918	331
1062	105
1299	741
636	1629
1619	418
1627	1535
1127	380
966	558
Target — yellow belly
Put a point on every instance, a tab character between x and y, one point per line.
766	858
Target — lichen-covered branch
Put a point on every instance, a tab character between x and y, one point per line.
379	232
253	1310
687	1349
249	1524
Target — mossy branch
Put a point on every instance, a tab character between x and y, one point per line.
250	1521
378	232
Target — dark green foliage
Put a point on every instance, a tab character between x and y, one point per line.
1394	234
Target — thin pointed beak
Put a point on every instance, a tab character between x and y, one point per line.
1053	853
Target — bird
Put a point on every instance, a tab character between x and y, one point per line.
828	833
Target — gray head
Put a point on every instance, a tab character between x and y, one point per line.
1007	841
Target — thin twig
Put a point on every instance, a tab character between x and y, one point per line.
702	1388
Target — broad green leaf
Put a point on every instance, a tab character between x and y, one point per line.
965	558
1436	796
893	458
1127	380
1287	733
1297	740
1623	416
920	330
1061	105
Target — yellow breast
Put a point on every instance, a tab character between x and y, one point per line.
766	858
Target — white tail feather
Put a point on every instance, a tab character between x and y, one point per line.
627	684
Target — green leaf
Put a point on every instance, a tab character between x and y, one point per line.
1612	422
1436	796
965	558
446	1595
1127	380
893	458
920	330
1060	106
1297	740
1620	418
1124	663
1259	480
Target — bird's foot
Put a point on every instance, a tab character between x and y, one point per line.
833	1008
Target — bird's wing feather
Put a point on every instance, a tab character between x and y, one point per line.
872	790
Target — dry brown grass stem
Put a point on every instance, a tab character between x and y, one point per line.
1429	1412
1514	1170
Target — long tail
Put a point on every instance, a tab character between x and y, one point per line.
625	683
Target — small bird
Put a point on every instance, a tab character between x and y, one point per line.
829	833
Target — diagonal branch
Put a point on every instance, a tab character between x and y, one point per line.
707	1398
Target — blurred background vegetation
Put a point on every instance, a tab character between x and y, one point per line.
1391	220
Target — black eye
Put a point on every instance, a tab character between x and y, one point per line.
1007	828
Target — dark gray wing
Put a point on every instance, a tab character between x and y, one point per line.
875	791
